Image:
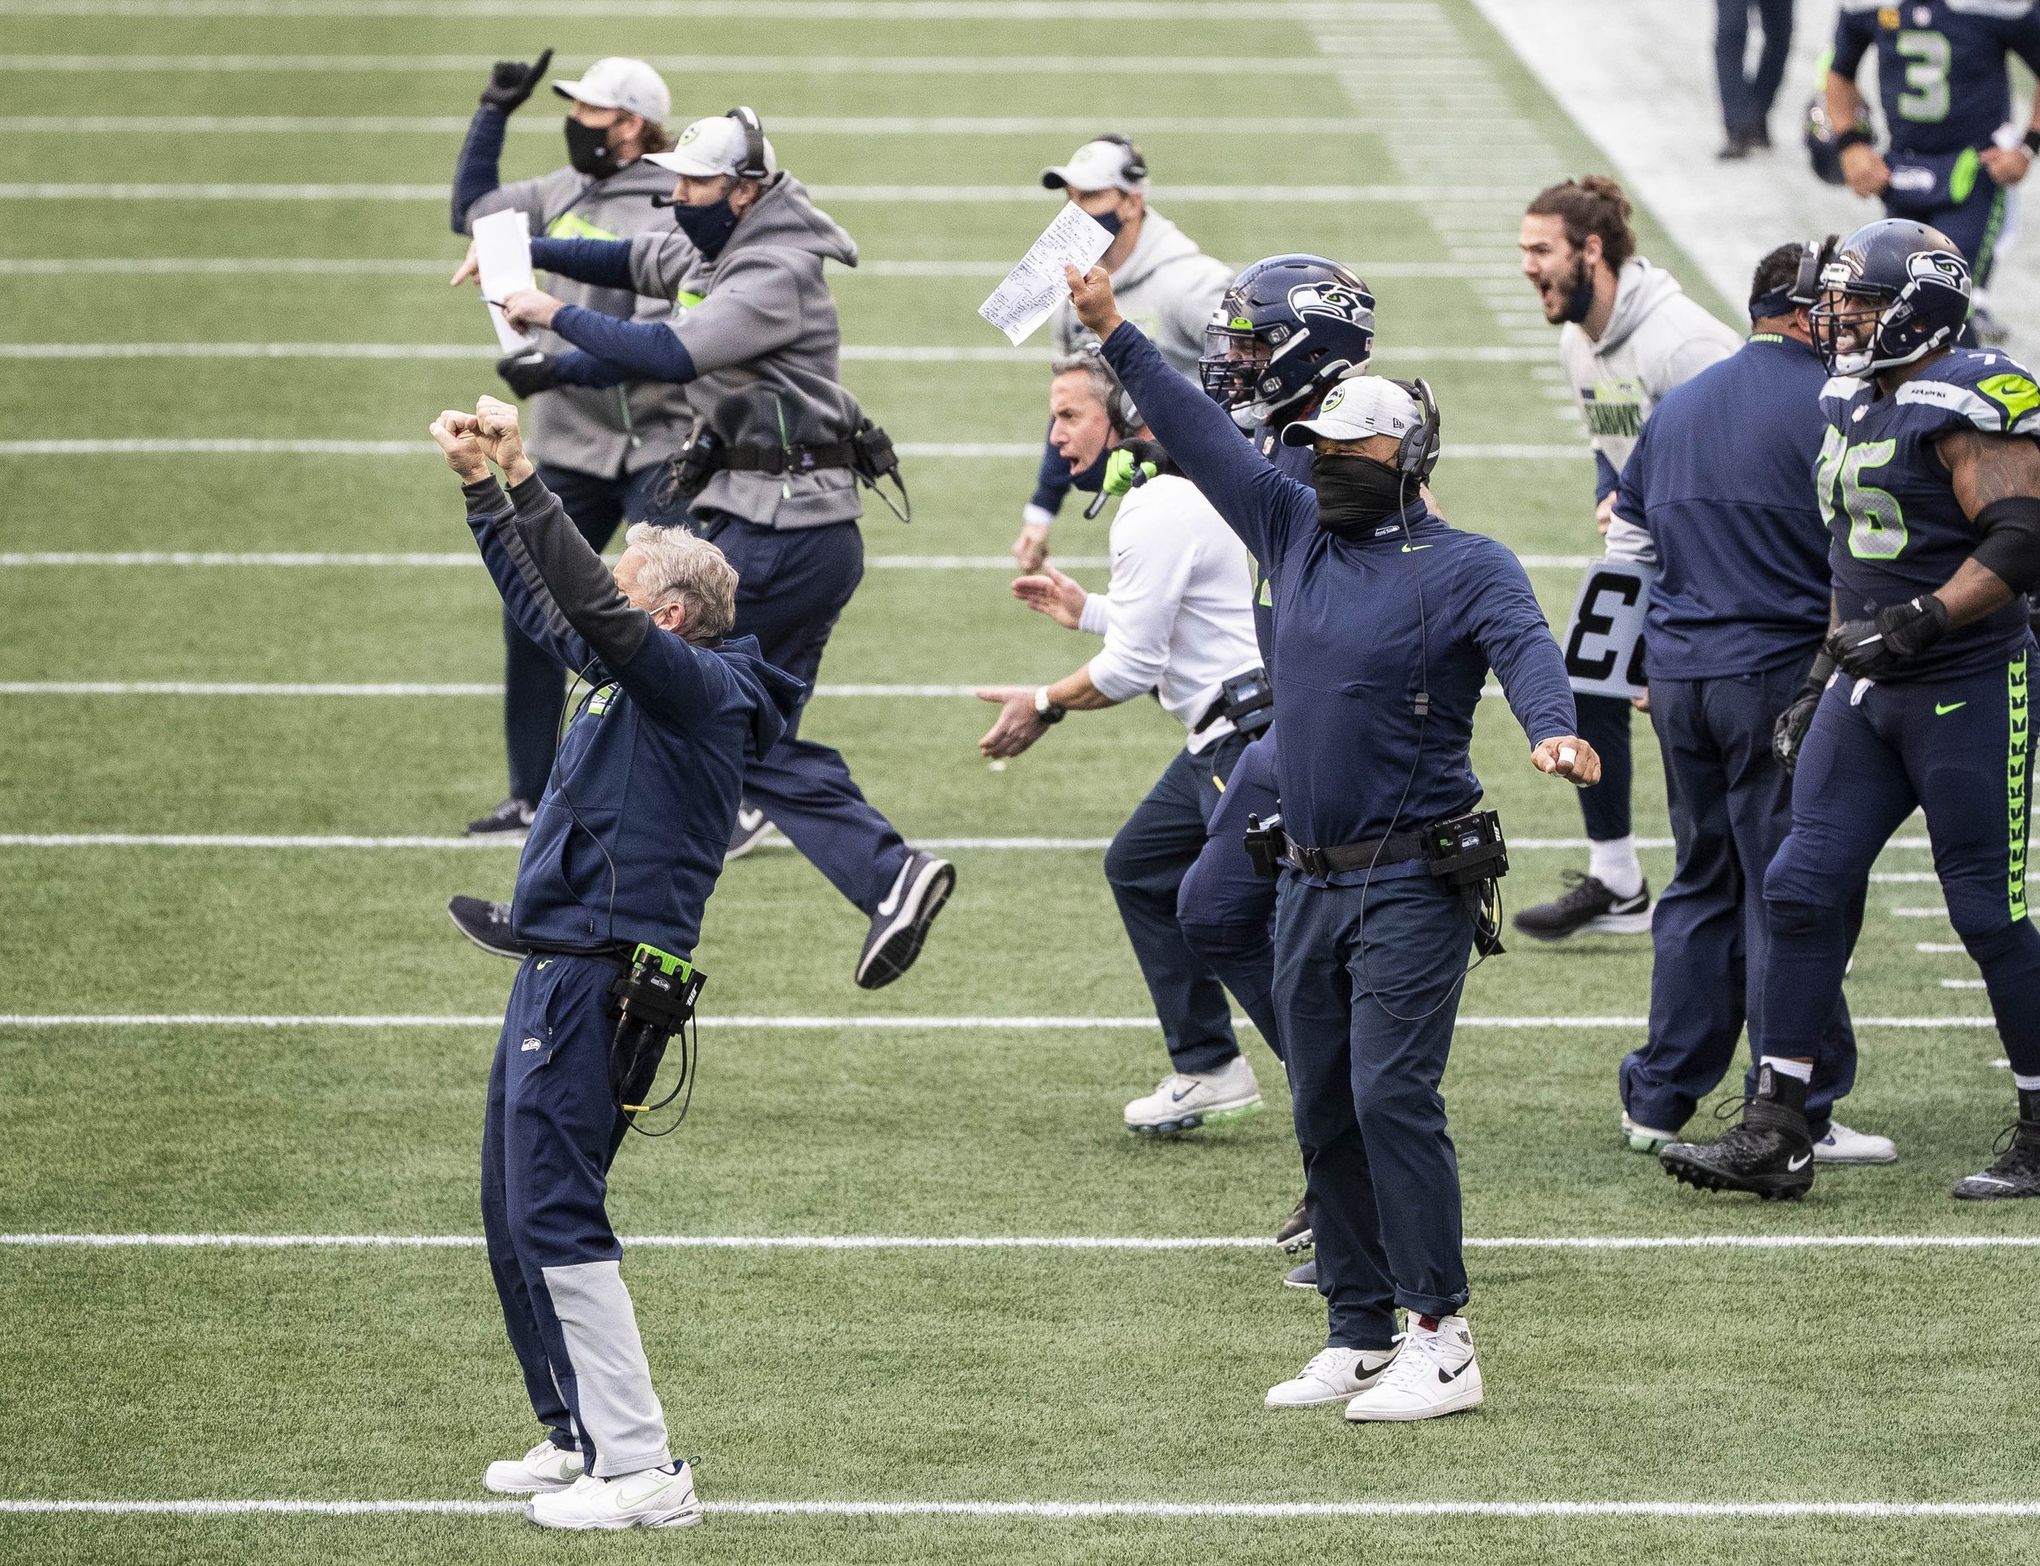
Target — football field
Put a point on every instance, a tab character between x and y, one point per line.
907	1286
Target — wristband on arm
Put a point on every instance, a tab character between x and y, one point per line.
2010	546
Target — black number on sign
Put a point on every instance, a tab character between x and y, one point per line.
1593	621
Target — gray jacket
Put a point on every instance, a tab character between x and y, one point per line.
765	340
605	430
1167	287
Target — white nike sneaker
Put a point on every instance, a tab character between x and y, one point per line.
652	1498
1641	1138
1843	1146
1435	1373
1183	1103
544	1467
1332	1376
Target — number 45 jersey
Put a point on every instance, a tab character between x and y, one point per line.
1890	505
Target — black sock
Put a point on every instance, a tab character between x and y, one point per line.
1786	1092
2029	1106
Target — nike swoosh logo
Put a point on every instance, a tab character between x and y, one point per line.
1794	1165
1447	1377
747	820
891	904
1410	549
1942	709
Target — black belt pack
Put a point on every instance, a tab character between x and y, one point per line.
1462	851
1247	700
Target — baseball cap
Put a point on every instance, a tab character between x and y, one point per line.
1357	407
617	83
708	147
1099	165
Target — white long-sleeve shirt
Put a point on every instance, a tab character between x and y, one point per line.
1179	617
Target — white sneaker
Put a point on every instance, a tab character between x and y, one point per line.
1641	1138
1332	1376
1435	1373
652	1498
1843	1146
1183	1103
544	1467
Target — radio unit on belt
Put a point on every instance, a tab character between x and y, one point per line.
868	454
654	995
1246	699
1467	853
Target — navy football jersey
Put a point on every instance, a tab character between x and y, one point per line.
1941	67
1890	504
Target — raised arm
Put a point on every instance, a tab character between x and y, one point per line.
1510	629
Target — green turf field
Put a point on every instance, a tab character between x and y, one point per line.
1733	1375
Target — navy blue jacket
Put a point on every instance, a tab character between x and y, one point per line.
631	830
1722	480
1356	760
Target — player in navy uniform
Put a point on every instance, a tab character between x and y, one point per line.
1946	90
1929	478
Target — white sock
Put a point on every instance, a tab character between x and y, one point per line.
2026	1084
1614	864
1800	1070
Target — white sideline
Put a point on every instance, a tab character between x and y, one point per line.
1026	1242
284	266
773	840
1061	1510
853	353
387	688
24	559
782	125
899	1024
881	65
801	10
239	447
945	195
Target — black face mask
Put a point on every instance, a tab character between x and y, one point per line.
1109	221
709	227
1581	299
1356	495
588	150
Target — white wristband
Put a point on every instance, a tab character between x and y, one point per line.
1032	515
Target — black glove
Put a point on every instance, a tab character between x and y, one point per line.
513	81
1870	649
1789	732
529	371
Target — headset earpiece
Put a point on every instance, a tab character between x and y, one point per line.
1136	166
754	142
1416	454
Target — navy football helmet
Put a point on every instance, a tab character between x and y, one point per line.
1895	292
1288	327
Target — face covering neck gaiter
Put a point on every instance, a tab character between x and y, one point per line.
588	150
1581	299
1356	495
709	227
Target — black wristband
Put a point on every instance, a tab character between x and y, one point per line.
2010	546
2032	143
1854	136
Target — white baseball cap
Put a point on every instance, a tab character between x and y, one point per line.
617	83
709	147
1099	165
1359	406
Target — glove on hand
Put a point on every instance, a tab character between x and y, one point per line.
1894	636
1789	732
529	372
513	81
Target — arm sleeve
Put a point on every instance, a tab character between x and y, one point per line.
489	516
1509	627
1628	489
476	174
1855	31
753	310
643	350
602	262
585	369
1148	582
1258	502
1604	476
1051	481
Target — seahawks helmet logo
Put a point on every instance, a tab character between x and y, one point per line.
1332	299
1939	268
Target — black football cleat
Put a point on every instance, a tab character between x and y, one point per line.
1295	1235
901	923
2015	1173
1769	1153
511	819
487	924
1586	908
750	830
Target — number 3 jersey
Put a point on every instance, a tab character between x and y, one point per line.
1940	65
1889	502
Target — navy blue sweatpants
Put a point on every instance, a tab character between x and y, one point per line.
1368	982
1731	806
1227	912
1145	866
1959	749
551	1132
791	589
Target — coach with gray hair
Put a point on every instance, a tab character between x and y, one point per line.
624	851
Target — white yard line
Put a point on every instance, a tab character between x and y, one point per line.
337	266
29	559
944	195
1024	1242
653	10
812	1024
398	689
1080	1510
685	65
852	353
782	125
217	446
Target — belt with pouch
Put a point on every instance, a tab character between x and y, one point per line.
1369	853
1246	698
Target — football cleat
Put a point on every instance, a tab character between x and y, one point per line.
1295	1235
1333	1375
1768	1153
900	925
2015	1173
1843	1146
487	924
1587	908
1434	1373
1184	1102
654	1498
544	1467
511	819
750	830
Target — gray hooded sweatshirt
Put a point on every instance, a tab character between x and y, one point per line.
614	429
766	342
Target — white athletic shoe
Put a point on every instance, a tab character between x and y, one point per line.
1843	1146
652	1498
1435	1373
1642	1138
1183	1103
544	1467
1332	1376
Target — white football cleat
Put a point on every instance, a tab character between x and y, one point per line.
1843	1146
1435	1373
1332	1376
651	1498
1183	1103
544	1467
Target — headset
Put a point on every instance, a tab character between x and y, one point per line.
753	166
1135	167
1814	256
1417	453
